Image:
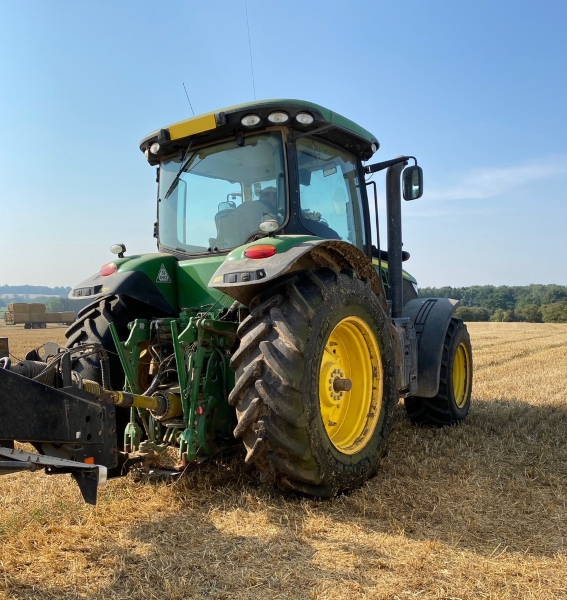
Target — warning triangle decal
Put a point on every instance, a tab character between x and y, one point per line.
163	275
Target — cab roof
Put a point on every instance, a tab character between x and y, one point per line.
226	122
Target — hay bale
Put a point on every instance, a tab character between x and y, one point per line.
37	309
20	308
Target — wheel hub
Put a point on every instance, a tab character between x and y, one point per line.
342	385
350	385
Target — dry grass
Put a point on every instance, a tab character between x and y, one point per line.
22	340
474	512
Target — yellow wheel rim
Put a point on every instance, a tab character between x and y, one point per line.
351	385
461	375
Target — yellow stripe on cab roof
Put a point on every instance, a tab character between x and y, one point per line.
192	126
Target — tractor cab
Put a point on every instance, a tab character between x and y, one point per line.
278	167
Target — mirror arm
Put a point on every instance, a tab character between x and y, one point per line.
387	163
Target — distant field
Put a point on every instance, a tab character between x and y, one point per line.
21	340
471	512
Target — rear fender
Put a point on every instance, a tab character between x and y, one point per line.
430	317
149	278
243	278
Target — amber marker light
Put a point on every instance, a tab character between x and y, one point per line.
108	269
260	251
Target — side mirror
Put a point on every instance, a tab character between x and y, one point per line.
413	183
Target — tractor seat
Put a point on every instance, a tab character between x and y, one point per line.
227	228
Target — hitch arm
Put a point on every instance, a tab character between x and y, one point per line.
88	477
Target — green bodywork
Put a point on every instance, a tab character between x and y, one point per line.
202	343
188	287
193	277
186	284
151	265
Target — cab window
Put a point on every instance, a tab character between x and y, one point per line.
329	188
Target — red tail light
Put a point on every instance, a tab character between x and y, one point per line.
260	251
108	269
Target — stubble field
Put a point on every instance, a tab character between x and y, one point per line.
471	512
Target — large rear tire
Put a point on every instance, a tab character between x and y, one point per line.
453	400
315	389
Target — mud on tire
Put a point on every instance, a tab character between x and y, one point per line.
286	368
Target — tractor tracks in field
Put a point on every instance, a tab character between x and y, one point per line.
523	348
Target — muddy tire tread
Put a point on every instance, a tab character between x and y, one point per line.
269	366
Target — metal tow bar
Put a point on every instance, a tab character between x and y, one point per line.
87	476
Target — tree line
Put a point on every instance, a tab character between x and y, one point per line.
535	303
24	290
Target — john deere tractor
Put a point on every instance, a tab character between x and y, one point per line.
270	316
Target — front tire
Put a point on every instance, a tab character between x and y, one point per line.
452	403
315	388
92	325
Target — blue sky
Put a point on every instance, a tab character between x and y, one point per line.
477	91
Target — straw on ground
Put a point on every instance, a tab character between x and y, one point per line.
477	511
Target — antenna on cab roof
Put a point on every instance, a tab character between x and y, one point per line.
188	99
250	49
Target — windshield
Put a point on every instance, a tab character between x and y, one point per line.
222	195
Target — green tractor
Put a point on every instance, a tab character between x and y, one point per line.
269	315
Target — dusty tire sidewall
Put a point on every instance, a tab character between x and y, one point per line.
461	336
351	298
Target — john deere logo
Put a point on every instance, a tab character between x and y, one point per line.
163	275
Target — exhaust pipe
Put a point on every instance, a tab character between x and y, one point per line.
394	218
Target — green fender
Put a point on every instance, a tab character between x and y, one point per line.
149	278
243	278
